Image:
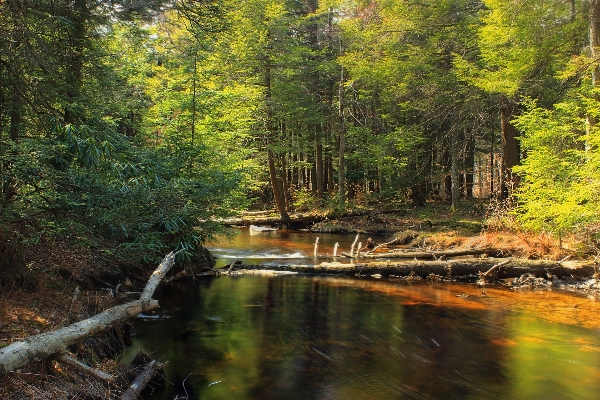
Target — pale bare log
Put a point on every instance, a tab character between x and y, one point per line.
158	275
19	354
142	380
67	359
44	345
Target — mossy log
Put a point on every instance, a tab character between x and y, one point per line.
48	344
456	268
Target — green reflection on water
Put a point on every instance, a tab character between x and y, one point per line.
317	338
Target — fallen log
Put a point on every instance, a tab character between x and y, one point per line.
48	344
142	380
467	267
270	221
431	254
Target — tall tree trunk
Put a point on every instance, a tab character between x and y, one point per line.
15	115
511	149
469	165
319	164
492	168
342	148
272	133
454	175
75	59
279	202
594	50
284	179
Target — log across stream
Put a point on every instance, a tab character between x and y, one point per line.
454	268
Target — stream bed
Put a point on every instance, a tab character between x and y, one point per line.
307	337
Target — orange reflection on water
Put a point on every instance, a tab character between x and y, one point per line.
552	305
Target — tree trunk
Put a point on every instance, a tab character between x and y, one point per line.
469	165
594	45
284	181
272	132
75	59
279	202
319	163
15	116
454	176
492	168
511	151
342	148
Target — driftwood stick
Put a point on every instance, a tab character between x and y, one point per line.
44	345
67	359
386	244
142	380
483	275
495	267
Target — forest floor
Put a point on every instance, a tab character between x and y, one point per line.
44	296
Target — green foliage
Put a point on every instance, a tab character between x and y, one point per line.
134	195
560	179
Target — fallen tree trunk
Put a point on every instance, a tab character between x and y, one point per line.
431	254
19	354
142	380
425	268
294	219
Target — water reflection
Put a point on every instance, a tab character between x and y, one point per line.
300	337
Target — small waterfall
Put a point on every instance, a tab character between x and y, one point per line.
316	246
335	249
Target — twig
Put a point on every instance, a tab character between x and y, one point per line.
565	259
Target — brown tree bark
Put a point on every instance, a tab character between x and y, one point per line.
511	149
319	175
342	144
469	165
279	201
79	15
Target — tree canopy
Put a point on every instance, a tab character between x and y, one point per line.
146	122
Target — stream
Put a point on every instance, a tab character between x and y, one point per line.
307	337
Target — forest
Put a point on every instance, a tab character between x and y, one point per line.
135	129
145	122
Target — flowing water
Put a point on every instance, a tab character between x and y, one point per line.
306	337
284	247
